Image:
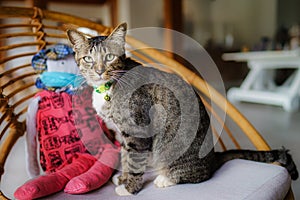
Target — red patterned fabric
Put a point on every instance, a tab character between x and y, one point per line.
67	125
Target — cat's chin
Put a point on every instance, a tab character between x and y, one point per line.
97	83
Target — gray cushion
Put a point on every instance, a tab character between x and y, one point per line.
236	179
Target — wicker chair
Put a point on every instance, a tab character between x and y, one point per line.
25	31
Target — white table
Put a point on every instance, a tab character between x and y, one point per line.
259	86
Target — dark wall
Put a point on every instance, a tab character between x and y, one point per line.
288	13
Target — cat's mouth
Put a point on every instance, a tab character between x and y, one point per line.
109	75
100	79
105	76
95	81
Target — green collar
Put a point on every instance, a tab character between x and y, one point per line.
104	88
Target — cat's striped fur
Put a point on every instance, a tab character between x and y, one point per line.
103	58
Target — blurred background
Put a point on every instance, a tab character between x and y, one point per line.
220	26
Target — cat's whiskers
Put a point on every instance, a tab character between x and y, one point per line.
123	83
118	82
81	79
81	85
130	73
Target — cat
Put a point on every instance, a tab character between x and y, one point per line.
146	129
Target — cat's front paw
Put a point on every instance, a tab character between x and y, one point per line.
122	191
115	179
119	179
162	181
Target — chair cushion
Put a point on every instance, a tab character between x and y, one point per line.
236	179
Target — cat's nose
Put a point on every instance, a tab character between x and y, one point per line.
100	71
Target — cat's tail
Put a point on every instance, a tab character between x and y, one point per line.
280	155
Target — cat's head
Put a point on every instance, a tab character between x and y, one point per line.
99	58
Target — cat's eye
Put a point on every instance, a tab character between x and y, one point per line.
109	57
88	59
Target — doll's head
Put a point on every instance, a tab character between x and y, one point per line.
57	68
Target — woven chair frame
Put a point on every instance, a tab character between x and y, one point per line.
17	85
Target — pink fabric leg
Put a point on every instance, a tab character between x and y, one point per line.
41	186
97	175
56	181
94	178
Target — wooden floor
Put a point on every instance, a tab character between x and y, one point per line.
279	128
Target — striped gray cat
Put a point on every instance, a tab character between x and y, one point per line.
144	106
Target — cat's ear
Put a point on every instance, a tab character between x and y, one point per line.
118	34
76	38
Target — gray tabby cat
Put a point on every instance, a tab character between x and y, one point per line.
103	63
